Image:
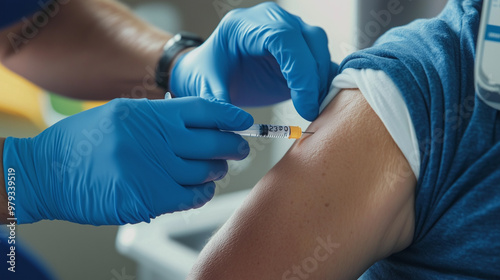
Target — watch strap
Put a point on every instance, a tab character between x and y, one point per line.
172	48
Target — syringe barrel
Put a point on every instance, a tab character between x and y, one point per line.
267	130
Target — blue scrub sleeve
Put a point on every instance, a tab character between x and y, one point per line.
12	11
457	206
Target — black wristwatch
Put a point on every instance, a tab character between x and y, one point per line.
172	48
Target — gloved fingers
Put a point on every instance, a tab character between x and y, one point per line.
199	143
219	95
299	68
317	41
212	85
186	197
215	87
195	172
203	113
199	195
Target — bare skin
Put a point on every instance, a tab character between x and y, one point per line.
337	202
91	49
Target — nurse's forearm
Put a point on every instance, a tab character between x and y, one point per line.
92	49
3	193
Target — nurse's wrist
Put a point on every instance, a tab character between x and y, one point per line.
26	178
172	66
173	49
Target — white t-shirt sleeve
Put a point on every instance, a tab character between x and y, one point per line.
386	100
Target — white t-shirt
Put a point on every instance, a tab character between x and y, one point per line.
385	99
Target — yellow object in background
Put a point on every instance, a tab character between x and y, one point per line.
21	98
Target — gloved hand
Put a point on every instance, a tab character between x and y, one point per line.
258	56
126	161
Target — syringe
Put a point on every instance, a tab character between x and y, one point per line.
273	131
267	130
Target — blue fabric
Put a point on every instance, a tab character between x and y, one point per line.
12	11
457	234
27	266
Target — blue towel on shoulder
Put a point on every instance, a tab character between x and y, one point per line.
457	234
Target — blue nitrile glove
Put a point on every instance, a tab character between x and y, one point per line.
126	161
254	57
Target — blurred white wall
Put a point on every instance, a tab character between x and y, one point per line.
336	17
356	24
374	17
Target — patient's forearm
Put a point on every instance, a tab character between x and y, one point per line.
91	49
337	202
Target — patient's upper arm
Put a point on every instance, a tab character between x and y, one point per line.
338	201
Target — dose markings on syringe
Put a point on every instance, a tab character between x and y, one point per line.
278	131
